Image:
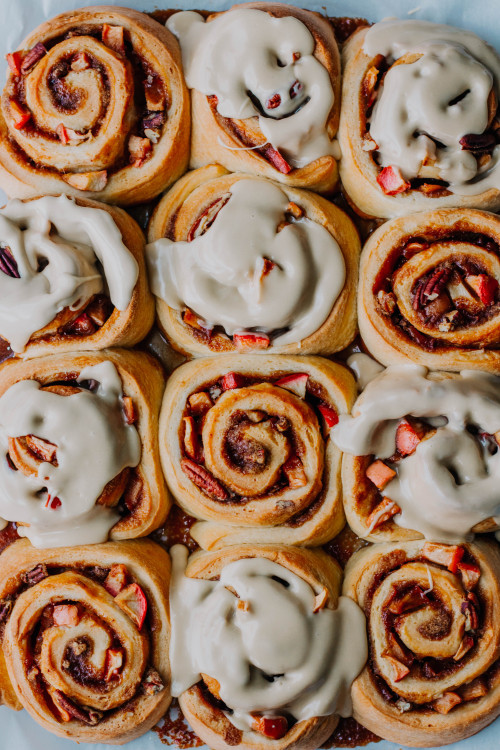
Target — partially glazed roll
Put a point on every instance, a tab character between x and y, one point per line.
95	103
433	676
265	82
245	447
429	290
72	276
85	638
421	456
238	263
79	436
419	119
263	650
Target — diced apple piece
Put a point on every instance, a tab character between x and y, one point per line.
295	383
80	62
212	684
200	403
465	646
446	702
139	149
88	181
443	554
41	448
399	670
470	575
277	160
14	60
380	474
114	663
274	727
20	115
191	440
392	181
117	579
232	380
485	287
129	410
251	341
329	415
134	603
411	600
66	614
294	472
320	599
112	37
385	510
407	438
475	689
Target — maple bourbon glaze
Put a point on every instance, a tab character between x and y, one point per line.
278	655
56	245
248	59
438	94
94	444
220	274
451	482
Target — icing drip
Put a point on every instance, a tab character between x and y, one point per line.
56	246
220	274
255	63
451	481
441	92
94	444
312	657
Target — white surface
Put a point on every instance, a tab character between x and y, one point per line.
18	18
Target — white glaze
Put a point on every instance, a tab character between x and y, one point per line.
218	274
237	52
365	368
94	444
72	238
317	655
449	483
415	98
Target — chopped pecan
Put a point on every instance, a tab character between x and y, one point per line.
204	480
273	101
86	715
32	57
132	494
478	142
387	301
8	264
5	609
140	149
152	682
35	575
295	88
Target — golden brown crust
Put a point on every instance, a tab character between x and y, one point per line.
126	184
143	381
358	170
182	206
123	327
208	721
471	346
413	721
208	126
148	565
259	519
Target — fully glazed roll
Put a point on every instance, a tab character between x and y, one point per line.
245	447
263	651
421	456
79	436
85	638
249	265
95	103
433	676
429	290
419	119
265	82
72	276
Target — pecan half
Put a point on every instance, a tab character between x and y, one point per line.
8	264
34	576
204	480
87	715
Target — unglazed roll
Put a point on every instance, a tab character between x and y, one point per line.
79	432
265	82
95	103
245	447
85	637
419	119
248	264
263	651
72	276
429	290
433	676
421	456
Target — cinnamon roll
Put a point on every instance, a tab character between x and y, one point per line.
419	124
85	637
78	442
238	263
245	447
95	103
263	650
429	290
72	276
265	81
421	456
433	676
